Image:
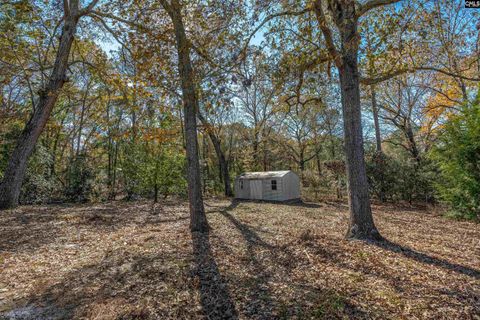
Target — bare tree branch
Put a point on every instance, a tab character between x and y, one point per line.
266	20
387	76
112	32
116	18
66	8
372	4
327	33
88	8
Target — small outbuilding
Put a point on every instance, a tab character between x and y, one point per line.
268	185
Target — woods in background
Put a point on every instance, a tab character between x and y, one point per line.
122	100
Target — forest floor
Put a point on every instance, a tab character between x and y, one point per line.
260	261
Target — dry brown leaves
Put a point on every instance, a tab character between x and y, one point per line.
260	261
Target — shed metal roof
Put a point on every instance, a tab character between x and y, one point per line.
263	174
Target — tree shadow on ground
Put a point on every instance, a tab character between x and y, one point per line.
113	288
122	279
263	303
260	300
23	231
426	259
331	251
34	227
214	295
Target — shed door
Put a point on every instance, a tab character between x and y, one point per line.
256	189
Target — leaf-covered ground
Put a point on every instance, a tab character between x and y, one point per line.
260	261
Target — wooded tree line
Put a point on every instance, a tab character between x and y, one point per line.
127	99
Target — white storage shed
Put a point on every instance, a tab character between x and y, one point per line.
268	185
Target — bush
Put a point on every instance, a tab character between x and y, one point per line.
150	169
394	179
38	185
131	165
382	172
166	171
80	180
458	156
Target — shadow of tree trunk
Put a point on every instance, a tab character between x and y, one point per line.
261	303
426	259
214	295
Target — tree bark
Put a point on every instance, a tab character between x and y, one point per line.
17	163
361	220
412	144
198	219
55	148
379	156
113	192
222	161
376	122
361	225
256	143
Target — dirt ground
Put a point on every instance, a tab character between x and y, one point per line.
260	261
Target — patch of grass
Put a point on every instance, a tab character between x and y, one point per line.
331	303
362	255
390	297
459	216
357	277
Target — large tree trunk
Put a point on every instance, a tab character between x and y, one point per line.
17	163
198	219
361	224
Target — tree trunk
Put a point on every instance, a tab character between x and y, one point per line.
319	165
205	172
17	163
412	144
361	225
265	153
155	192
225	174
265	160
198	219
376	122
378	139
222	162
55	148
256	143
109	153
301	164
113	193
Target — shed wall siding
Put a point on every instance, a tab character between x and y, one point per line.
274	195
242	193
292	186
288	188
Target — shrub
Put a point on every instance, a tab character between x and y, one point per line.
397	178
458	156
38	185
382	172
80	180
